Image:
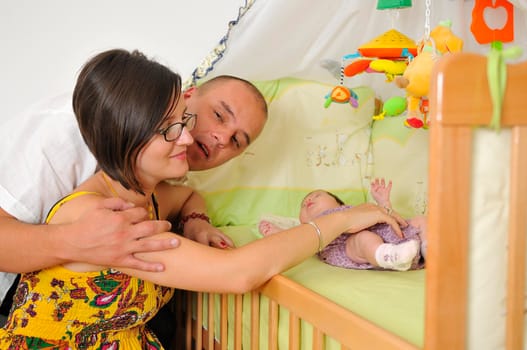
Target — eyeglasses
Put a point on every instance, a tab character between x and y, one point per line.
173	131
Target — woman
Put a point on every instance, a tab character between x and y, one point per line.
133	119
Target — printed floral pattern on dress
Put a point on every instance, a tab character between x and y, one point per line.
104	311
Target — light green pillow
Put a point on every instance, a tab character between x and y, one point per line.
304	146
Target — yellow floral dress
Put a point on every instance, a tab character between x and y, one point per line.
58	309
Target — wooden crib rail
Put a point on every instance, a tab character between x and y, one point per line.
459	101
459	93
302	304
329	318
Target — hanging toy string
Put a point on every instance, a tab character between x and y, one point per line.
342	70
427	19
394	16
426	37
340	93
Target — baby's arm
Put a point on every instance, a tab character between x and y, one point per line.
380	191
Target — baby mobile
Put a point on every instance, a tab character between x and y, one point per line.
403	62
385	54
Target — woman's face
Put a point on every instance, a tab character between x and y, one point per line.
315	203
160	159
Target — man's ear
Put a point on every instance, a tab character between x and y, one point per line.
188	92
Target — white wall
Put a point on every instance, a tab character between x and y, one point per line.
44	43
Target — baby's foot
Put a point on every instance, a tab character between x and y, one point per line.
267	228
397	256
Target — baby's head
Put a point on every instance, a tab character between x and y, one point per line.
316	202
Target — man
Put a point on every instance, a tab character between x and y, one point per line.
43	157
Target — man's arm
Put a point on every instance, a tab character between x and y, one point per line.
108	235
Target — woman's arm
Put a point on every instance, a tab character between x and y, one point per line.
190	207
195	266
198	229
105	235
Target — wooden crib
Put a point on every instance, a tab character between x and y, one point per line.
459	102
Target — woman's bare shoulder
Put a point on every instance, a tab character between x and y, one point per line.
71	207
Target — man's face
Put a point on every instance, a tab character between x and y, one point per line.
229	119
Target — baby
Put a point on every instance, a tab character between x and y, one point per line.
379	247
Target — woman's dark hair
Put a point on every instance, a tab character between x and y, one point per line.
120	100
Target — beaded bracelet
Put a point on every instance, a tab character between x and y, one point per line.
319	234
194	215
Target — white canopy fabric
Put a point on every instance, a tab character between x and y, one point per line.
272	39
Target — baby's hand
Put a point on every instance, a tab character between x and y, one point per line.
381	192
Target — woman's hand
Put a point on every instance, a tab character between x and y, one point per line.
402	222
204	233
368	214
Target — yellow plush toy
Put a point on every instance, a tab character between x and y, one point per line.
416	78
416	81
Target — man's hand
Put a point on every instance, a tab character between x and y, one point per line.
110	235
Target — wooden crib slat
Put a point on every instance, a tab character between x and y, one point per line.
446	311
199	321
255	320
238	318
210	321
318	339
516	245
447	265
294	331
188	331
273	325
224	312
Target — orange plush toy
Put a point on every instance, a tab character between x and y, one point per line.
416	78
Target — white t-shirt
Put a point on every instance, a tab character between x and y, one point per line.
43	158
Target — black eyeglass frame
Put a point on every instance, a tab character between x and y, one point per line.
188	118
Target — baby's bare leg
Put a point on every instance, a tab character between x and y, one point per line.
367	246
361	247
